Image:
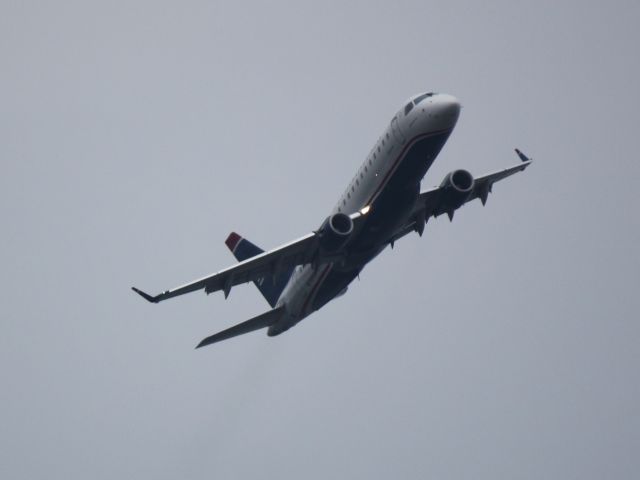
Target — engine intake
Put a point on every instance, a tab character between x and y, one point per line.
458	186
335	232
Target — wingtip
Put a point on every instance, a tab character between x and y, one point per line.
522	156
144	295
203	343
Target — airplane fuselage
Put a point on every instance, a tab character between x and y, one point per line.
387	184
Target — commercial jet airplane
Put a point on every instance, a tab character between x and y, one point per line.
381	204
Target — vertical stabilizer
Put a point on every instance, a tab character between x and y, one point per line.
270	286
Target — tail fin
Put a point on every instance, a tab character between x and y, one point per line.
270	287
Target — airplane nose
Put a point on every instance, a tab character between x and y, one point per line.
448	108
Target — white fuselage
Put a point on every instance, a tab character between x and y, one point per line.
432	113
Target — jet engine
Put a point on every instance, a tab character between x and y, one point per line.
335	232
457	186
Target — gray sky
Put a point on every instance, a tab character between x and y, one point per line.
135	135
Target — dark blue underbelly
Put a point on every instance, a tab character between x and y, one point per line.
393	205
389	212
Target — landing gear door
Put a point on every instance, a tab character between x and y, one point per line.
397	133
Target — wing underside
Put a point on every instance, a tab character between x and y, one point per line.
436	202
262	267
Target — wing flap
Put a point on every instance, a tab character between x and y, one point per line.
292	253
267	264
433	203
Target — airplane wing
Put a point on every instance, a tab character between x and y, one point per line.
304	250
436	202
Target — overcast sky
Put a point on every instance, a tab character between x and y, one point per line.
134	136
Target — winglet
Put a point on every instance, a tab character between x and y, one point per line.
522	156
146	296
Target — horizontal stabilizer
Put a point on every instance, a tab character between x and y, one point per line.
256	323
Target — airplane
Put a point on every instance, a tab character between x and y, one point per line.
381	204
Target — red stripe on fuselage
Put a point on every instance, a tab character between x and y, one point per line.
396	162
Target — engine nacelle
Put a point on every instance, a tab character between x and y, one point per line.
457	185
335	232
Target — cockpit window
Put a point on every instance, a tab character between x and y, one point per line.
408	107
417	100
